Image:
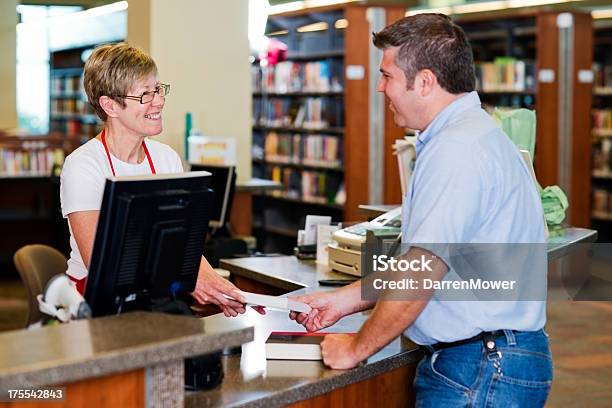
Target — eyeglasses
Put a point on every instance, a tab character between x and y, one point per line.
146	97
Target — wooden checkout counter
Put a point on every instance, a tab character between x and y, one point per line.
135	359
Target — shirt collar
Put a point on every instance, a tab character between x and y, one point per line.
452	110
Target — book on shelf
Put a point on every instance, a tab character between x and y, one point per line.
602	201
293	77
310	113
310	150
602	75
602	119
29	162
602	156
505	74
66	84
294	346
306	185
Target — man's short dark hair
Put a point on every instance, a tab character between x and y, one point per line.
434	42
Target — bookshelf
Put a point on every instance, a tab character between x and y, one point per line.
69	112
601	210
505	59
29	209
310	122
517	57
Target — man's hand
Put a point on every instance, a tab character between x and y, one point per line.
326	310
339	351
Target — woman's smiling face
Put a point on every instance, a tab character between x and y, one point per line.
143	119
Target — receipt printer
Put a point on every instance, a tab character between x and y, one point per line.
345	249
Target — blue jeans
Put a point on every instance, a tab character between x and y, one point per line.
520	375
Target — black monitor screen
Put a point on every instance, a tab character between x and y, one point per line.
222	183
149	240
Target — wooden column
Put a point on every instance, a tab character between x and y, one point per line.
356	103
356	156
582	96
547	160
547	100
392	193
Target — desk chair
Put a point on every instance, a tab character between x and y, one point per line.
37	264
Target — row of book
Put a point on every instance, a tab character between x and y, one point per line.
66	84
602	158
602	75
311	150
505	74
602	118
507	101
602	202
307	185
65	106
288	77
76	127
32	162
310	113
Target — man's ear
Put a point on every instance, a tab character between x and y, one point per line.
109	106
426	82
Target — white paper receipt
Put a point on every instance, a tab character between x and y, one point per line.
275	302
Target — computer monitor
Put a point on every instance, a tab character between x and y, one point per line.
223	184
149	240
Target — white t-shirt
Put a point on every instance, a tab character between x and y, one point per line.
83	178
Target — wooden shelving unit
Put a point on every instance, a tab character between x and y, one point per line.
601	214
70	114
30	193
533	36
277	216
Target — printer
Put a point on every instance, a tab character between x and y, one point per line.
346	245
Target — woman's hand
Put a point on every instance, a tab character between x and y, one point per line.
212	288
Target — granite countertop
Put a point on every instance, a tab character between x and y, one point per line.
90	348
252	381
283	272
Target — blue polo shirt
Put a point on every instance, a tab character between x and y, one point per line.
471	185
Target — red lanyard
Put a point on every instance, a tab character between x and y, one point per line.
144	146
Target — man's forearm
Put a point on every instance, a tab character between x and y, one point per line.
391	317
352	296
388	320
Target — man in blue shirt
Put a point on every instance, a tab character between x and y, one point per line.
469	186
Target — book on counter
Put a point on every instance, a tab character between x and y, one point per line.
295	346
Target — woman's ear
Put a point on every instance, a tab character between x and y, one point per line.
109	106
